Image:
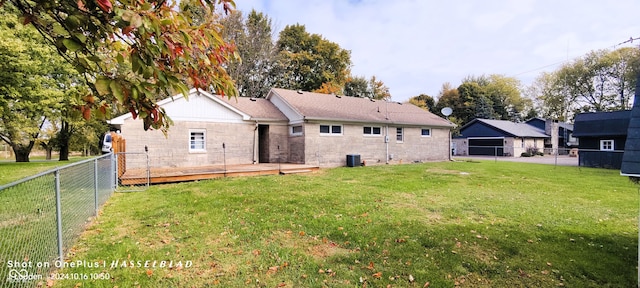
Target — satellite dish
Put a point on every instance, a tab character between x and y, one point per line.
446	111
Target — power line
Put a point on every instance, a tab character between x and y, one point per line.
630	40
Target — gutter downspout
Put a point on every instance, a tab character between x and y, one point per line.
386	144
450	151
255	143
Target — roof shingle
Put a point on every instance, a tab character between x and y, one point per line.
318	106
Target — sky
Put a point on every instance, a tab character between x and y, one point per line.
416	46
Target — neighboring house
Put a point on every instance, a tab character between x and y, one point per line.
289	126
560	135
498	138
602	138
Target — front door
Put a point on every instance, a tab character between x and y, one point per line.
263	143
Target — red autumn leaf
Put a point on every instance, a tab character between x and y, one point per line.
105	5
377	275
127	30
86	112
149	272
134	114
81	6
154	112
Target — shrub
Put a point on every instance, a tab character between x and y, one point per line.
532	151
525	154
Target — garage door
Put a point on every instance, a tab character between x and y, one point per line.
486	146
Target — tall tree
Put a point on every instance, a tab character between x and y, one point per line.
308	60
253	37
361	87
624	67
28	88
379	91
424	101
601	80
598	81
357	86
132	51
504	93
448	97
552	100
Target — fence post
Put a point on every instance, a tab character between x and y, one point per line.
59	213
95	186
114	171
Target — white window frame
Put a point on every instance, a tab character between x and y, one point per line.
428	134
331	133
191	142
293	133
399	134
372	131
607	145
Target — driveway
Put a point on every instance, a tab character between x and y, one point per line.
561	160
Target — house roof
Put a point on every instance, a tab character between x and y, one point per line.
249	109
597	124
565	125
257	108
510	128
325	107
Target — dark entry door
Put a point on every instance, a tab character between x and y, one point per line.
486	147
263	143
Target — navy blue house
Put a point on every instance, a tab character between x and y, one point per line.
565	137
498	138
602	138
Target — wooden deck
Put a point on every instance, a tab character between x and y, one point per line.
180	174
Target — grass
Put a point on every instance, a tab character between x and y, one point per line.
12	171
467	224
28	210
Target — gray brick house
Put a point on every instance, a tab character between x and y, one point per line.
289	127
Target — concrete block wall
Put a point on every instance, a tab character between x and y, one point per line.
331	150
173	150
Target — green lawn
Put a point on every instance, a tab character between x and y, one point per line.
467	224
11	171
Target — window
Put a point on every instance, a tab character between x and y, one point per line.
606	145
426	132
296	130
331	129
521	142
368	130
399	134
196	141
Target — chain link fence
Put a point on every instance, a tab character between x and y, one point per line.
133	171
42	216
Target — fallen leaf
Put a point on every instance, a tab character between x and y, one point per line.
426	285
149	272
411	279
273	269
377	275
370	267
